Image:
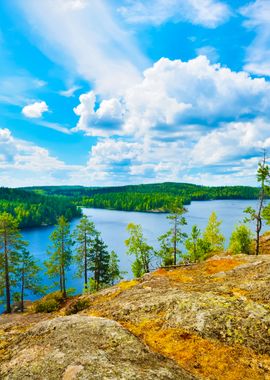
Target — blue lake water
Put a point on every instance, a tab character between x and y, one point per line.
112	225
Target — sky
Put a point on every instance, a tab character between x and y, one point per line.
107	92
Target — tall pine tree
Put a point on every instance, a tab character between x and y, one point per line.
84	236
11	244
99	264
60	253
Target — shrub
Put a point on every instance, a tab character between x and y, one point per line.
241	240
77	305
51	302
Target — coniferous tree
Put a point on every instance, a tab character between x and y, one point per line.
11	244
263	177
99	264
171	240
60	253
137	246
28	277
84	236
197	248
114	271
212	234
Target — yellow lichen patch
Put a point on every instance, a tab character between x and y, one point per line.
124	285
101	298
177	275
221	265
239	292
205	358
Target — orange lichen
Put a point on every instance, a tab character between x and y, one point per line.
221	265
177	275
206	358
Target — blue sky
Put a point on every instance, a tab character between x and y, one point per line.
106	92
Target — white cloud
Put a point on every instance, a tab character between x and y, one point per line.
232	141
70	91
210	52
258	54
104	121
87	40
23	163
208	13
35	110
173	92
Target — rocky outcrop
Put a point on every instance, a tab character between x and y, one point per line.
83	347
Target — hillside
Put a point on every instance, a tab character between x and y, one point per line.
148	197
34	209
211	320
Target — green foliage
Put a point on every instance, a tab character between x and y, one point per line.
84	236
137	246
149	197
99	261
212	234
28	276
114	271
11	245
241	240
77	305
33	209
60	252
197	247
170	242
51	302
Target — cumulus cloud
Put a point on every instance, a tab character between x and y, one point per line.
23	163
258	54
35	110
208	13
232	141
103	121
174	92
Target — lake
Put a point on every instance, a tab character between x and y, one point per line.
112	225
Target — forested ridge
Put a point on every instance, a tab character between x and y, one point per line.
148	197
32	209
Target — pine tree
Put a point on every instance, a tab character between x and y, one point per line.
171	240
60	253
263	177
197	248
28	277
114	270
11	244
84	236
137	246
99	264
212	234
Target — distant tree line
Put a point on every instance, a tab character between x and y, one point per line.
32	209
151	197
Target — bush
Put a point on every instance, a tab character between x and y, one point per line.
77	305
51	302
241	240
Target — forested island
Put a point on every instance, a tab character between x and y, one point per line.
157	197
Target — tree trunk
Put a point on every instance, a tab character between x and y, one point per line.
64	282
22	291
85	262
7	280
174	244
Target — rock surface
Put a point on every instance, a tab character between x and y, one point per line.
83	347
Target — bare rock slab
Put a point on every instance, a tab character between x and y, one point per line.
83	347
